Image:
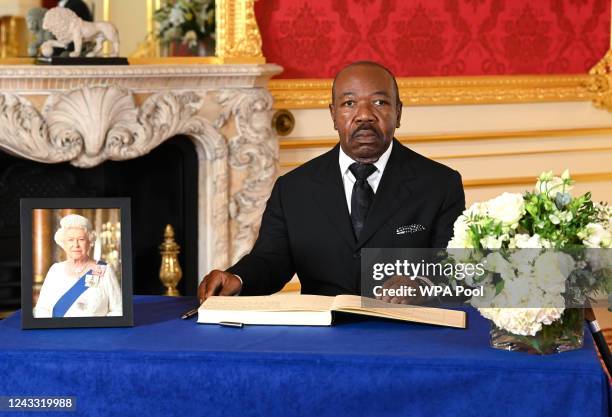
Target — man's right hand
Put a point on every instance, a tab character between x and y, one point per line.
219	283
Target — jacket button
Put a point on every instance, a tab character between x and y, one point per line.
357	255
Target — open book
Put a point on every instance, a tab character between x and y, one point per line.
316	310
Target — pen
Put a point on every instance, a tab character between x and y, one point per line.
230	324
190	313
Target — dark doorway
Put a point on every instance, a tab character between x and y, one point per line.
163	187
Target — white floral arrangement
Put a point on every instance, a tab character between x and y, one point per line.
187	21
548	217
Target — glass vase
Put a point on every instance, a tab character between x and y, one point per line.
565	334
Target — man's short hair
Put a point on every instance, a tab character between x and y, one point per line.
368	63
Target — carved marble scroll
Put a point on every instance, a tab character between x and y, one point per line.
253	149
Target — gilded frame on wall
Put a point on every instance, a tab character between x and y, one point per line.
238	39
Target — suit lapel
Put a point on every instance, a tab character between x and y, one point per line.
392	193
331	198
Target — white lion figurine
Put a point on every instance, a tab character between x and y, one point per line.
67	27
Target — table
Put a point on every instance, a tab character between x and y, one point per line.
170	367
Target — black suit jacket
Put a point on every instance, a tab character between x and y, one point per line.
306	226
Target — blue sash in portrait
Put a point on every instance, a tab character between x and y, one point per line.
65	302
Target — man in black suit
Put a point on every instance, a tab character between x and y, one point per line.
369	191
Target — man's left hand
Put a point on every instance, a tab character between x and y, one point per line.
397	282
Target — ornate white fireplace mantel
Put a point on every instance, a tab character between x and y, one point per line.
87	115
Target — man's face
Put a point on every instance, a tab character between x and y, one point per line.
365	112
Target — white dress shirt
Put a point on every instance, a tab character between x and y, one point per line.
348	179
100	299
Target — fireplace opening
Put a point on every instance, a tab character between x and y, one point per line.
162	185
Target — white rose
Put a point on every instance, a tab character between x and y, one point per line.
470	279
522	260
487	298
546	300
455	243
492	242
551	269
495	262
519	241
549	315
507	208
595	235
522	321
516	293
460	234
477	209
524	241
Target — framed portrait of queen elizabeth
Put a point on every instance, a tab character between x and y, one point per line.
76	268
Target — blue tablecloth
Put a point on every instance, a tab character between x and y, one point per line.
169	367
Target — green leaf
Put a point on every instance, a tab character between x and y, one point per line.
499	286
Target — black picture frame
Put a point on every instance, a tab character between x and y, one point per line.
28	205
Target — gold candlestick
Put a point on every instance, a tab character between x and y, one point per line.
170	272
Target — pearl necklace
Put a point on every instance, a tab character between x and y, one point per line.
79	271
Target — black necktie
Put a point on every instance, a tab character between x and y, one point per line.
362	196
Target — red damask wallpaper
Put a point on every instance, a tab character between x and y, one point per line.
315	38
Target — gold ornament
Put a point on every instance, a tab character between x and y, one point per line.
170	272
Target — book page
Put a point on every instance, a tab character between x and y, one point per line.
348	301
371	307
270	303
283	318
356	302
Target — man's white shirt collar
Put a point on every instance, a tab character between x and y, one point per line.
348	179
346	161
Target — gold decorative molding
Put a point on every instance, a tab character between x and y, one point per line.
174	60
13	36
600	78
316	93
292	165
300	93
17	61
494	182
522	153
297	143
238	35
149	48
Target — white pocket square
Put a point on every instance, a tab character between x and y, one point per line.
411	228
